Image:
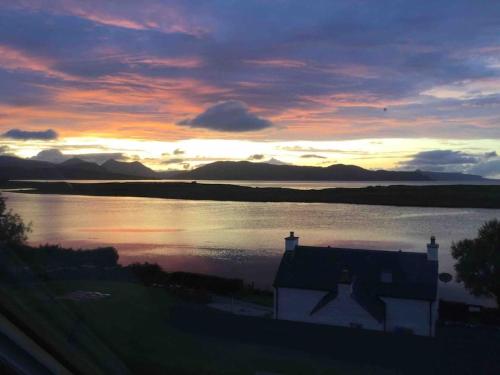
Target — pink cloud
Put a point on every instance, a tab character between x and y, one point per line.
278	63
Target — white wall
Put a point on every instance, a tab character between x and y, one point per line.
410	314
296	304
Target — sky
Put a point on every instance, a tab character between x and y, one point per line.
177	84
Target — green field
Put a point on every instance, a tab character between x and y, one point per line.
131	330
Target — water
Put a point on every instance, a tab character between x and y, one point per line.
240	239
297	184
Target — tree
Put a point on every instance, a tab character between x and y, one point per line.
12	227
478	261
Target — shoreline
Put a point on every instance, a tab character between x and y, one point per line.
443	196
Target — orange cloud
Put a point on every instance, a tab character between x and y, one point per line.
156	15
13	59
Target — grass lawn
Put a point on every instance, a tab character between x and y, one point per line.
131	329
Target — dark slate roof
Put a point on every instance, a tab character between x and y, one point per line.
327	298
323	268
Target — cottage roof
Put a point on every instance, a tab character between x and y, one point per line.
323	268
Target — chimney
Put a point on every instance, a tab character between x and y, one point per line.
291	242
432	250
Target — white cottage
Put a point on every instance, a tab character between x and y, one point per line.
392	291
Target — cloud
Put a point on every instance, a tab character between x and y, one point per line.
489	168
492	154
51	155
485	164
312	156
5	150
305	69
228	116
56	156
173	161
256	157
440	159
23	135
297	148
178	151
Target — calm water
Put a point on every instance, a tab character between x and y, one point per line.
239	239
301	184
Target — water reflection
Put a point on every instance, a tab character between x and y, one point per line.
239	239
298	184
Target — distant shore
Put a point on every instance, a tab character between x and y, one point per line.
457	196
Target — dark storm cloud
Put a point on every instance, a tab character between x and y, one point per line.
228	116
23	135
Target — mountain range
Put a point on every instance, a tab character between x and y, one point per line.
76	169
244	170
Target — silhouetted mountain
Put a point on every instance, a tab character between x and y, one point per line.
84	170
244	170
79	164
17	168
77	169
74	162
130	169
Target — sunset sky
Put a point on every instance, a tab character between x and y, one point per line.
176	84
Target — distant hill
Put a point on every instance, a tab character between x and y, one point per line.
77	169
80	165
244	170
14	168
130	169
17	168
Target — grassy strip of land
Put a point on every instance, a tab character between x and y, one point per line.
459	196
132	330
148	321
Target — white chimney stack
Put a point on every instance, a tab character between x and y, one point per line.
291	242
432	250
